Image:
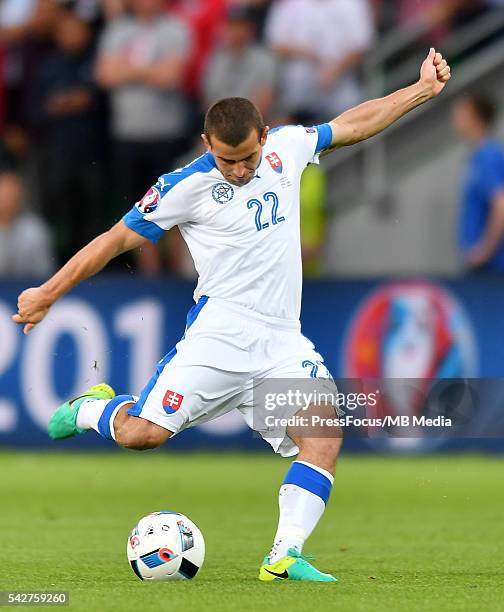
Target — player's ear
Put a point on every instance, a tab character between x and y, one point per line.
264	136
206	141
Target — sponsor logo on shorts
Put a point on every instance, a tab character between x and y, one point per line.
222	193
172	401
149	202
275	162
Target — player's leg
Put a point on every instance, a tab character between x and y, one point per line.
100	409
183	391
307	485
302	500
128	431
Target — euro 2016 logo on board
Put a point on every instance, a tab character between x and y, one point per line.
409	331
172	401
275	162
149	202
222	193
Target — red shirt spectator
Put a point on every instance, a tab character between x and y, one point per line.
205	18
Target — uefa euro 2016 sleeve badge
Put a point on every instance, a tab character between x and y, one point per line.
149	202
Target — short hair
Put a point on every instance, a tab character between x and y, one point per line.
484	107
232	119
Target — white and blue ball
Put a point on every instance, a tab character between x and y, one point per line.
166	545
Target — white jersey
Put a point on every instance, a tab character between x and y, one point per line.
245	241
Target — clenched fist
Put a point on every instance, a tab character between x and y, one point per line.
435	73
33	305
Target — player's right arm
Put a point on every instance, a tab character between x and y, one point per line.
34	303
372	117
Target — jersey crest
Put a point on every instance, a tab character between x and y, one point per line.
275	162
222	193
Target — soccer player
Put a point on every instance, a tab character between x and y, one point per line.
237	207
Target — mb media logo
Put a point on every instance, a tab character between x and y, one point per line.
222	193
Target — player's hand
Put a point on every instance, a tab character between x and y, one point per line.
435	73
33	305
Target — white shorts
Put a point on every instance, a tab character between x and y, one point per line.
225	350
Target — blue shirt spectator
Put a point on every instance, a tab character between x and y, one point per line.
481	218
484	179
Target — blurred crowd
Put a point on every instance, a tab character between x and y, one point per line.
100	97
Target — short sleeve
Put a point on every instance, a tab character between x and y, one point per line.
308	142
161	208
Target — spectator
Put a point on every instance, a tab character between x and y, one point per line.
437	17
204	17
320	44
26	28
242	67
87	10
481	221
258	9
25	246
112	9
141	62
66	107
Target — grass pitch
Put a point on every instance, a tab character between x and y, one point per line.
401	534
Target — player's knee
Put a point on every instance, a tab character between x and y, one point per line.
331	446
327	448
141	435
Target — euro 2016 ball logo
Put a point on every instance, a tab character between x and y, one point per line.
222	193
149	202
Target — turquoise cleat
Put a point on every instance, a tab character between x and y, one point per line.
63	422
294	566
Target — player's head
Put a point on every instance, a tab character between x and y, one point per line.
235	134
473	116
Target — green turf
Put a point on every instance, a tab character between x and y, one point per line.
401	534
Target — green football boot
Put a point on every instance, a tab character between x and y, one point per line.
294	566
63	421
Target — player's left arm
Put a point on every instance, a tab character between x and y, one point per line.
374	116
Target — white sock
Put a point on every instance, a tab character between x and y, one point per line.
91	411
300	511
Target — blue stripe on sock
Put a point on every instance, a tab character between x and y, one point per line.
307	478
104	422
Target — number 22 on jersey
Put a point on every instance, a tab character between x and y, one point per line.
269	198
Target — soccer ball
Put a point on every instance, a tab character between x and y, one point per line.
166	545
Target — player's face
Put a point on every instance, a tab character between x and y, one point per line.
238	165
